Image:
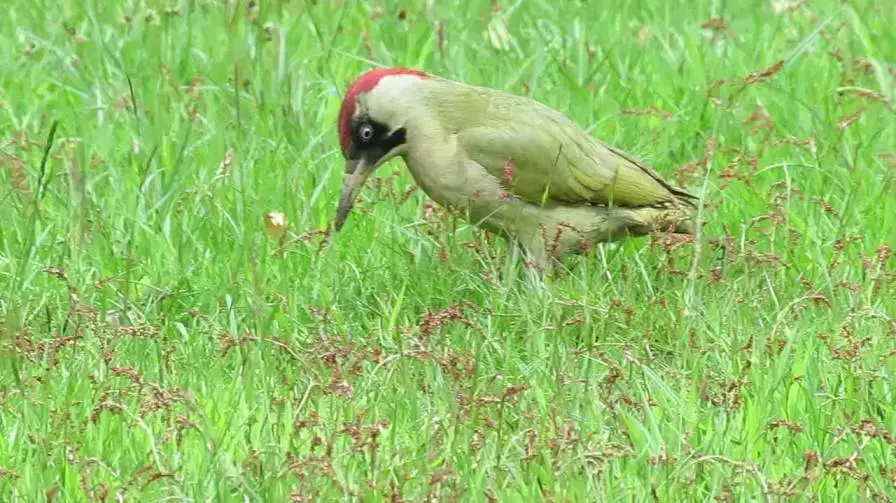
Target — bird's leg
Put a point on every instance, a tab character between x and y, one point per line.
539	259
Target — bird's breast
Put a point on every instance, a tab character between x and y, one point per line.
446	176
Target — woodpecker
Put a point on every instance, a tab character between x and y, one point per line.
507	163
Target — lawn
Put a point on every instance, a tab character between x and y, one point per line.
166	336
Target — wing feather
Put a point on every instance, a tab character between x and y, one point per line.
544	157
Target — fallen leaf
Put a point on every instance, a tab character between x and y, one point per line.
275	222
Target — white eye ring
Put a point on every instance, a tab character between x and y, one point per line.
366	132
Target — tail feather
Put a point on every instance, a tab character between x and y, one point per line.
674	220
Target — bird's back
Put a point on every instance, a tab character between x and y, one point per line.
553	159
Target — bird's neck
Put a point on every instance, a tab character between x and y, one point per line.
433	156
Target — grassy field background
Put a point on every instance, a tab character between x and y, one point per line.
159	343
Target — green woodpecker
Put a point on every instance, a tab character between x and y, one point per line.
508	163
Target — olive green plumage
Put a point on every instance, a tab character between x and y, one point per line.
552	159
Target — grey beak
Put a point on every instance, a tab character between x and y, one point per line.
356	173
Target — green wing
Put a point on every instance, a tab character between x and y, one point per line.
542	156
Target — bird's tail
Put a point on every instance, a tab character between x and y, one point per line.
664	219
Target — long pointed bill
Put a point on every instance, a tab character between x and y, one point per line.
356	173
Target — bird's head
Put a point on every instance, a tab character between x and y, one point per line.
372	128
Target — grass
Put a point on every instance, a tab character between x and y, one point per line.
158	343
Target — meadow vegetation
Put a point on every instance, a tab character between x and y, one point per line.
177	322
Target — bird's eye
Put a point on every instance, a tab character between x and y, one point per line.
366	132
